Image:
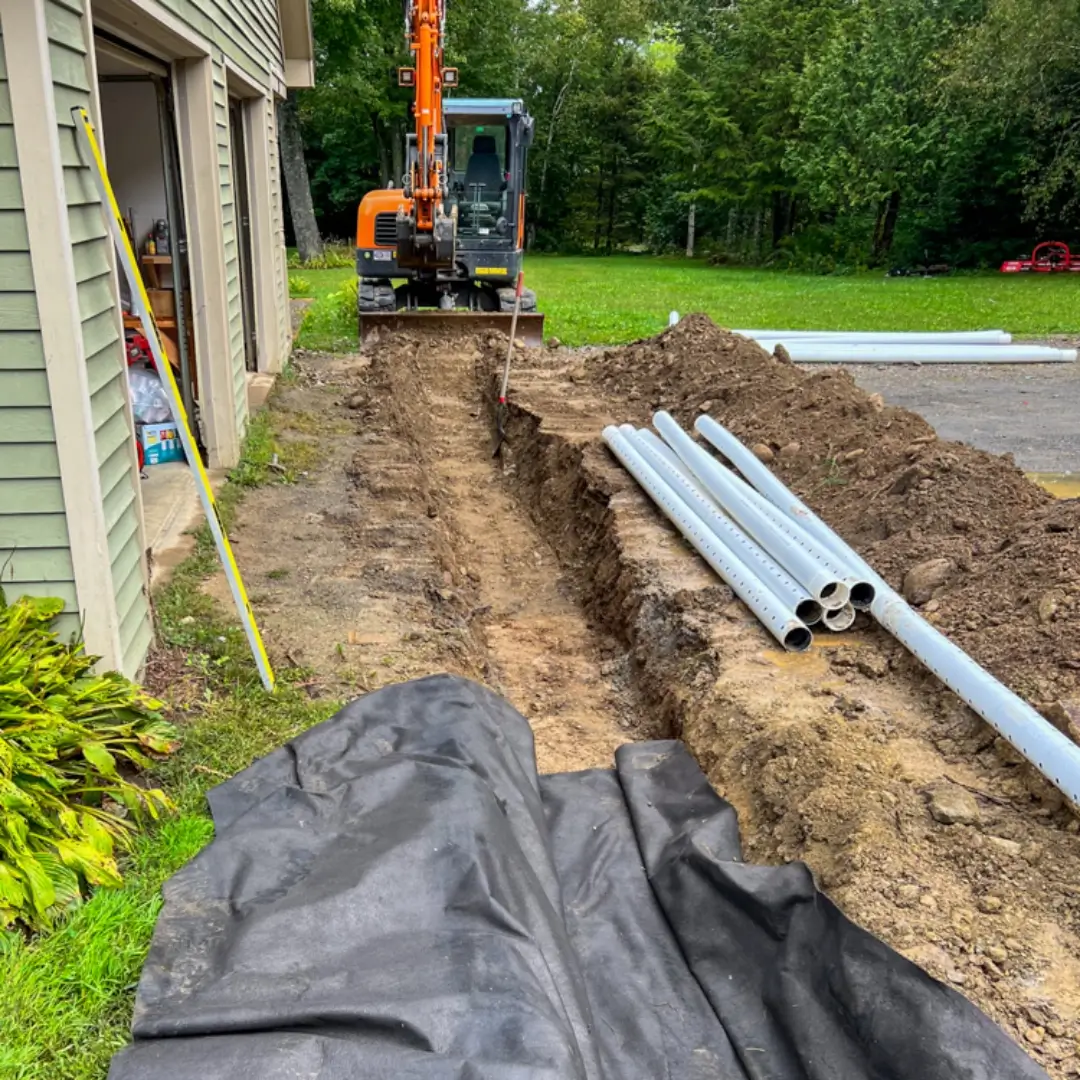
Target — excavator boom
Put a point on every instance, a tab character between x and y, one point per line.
453	234
424	31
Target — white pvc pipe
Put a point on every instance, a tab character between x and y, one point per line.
841	620
1055	755
861	593
773	576
776	616
878	337
823	584
827	352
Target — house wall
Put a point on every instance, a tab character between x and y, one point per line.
35	555
70	514
69	35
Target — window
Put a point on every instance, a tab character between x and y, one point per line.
478	177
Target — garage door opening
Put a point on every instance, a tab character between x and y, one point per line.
138	133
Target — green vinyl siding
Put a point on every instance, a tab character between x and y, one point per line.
246	31
277	220
232	257
35	558
99	316
12	226
22	388
38	496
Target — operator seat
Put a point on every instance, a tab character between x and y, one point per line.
484	168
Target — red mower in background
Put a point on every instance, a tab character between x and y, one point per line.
1053	257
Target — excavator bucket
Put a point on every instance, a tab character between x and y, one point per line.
530	327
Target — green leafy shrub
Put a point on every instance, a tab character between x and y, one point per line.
67	737
299	286
331	322
334	257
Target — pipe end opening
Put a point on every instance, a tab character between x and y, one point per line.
798	639
841	620
862	595
833	596
809	611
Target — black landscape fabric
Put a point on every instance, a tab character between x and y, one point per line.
397	894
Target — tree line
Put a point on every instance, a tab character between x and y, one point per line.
812	133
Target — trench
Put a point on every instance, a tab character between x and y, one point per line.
554	659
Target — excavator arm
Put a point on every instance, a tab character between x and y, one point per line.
426	230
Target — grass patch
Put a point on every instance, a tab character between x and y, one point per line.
66	997
330	323
618	299
597	301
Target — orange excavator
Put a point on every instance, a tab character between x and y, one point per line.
452	236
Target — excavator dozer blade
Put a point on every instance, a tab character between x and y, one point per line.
530	327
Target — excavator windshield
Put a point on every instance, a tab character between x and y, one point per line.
479	176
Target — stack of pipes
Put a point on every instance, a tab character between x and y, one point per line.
857	347
793	572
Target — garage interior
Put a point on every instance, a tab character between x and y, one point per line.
139	137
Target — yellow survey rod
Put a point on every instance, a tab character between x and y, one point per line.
87	138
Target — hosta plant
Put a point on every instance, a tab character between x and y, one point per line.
71	744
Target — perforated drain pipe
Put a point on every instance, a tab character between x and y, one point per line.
860	591
1055	755
879	337
826	351
823	584
777	617
772	575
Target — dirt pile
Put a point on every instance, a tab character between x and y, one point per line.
1008	583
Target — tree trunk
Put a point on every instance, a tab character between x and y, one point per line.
559	100
613	188
599	209
691	223
379	129
885	231
732	224
779	217
297	184
792	215
397	152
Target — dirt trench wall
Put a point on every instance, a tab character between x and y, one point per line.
838	758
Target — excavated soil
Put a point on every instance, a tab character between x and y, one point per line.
547	574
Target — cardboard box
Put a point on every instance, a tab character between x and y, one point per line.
162	303
160	443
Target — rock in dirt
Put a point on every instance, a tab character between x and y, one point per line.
921	580
763	453
1065	716
1005	846
790	450
782	354
873	665
952	805
990	905
1048	606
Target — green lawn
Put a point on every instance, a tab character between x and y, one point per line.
618	299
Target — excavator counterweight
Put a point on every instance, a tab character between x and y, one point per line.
445	248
